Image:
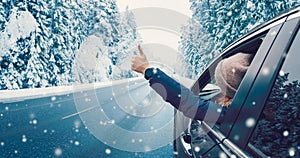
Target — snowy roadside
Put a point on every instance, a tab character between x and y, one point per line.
7	96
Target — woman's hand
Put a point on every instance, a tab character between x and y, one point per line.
140	63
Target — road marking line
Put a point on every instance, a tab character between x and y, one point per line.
85	110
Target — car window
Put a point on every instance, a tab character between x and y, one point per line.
277	133
207	88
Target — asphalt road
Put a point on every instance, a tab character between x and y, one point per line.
120	119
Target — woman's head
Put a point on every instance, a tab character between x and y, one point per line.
230	72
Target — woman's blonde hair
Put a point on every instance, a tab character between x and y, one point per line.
222	100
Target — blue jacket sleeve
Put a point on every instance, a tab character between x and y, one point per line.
185	100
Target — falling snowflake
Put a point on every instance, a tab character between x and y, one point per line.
76	143
281	73
87	99
197	149
31	115
229	13
222	155
250	122
132	140
34	122
112	121
76	124
154	71
147	148
236	137
58	152
285	133
266	71
107	151
292	152
250	5
233	156
24	139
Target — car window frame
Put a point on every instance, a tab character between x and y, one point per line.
250	76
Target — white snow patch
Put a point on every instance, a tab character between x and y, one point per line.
92	59
21	24
9	96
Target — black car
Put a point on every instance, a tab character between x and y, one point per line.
263	119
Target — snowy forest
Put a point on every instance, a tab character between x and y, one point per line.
217	23
61	42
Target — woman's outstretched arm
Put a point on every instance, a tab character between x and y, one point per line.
176	94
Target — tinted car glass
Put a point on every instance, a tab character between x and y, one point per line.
277	133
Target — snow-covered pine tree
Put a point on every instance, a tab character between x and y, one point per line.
221	22
50	51
193	43
110	49
127	47
110	57
16	47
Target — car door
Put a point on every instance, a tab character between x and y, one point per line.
247	136
277	129
208	135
